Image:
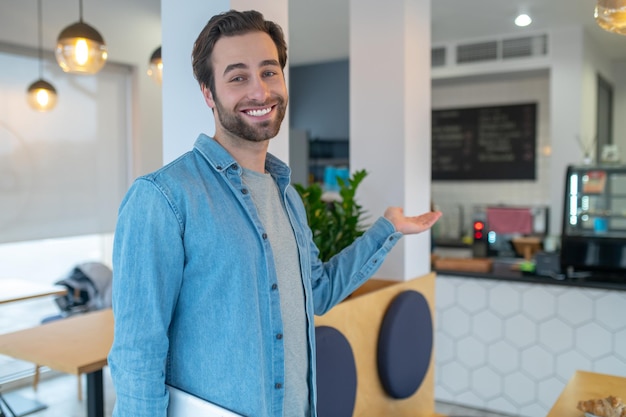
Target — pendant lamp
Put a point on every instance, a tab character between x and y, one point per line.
41	95
80	48
611	15
155	71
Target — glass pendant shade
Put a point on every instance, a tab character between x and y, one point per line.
81	49
155	71
611	15
41	95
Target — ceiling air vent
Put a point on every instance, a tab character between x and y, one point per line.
438	56
477	52
525	47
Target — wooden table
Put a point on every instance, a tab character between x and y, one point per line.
75	345
585	386
18	289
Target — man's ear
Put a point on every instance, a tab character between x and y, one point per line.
208	96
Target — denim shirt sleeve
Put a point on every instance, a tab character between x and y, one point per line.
349	269
148	260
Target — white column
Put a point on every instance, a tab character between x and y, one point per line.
185	114
390	116
566	104
619	108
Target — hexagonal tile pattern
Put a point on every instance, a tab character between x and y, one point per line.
548	391
619	346
611	310
487	327
567	363
454	377
593	340
503	357
610	365
486	383
537	362
474	297
511	347
519	388
575	308
556	335
471	353
504	300
455	322
444	296
538	303
520	331
444	346
504	405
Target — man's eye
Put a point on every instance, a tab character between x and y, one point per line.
269	73
237	79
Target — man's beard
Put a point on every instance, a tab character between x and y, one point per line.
235	124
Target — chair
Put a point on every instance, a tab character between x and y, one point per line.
88	289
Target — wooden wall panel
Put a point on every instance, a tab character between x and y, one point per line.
359	318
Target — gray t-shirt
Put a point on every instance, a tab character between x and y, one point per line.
266	197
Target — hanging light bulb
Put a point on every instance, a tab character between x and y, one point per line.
155	71
80	48
41	95
611	15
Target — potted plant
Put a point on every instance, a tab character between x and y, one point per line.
335	223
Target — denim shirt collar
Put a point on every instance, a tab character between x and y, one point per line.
220	159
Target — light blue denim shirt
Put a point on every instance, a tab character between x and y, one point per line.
195	294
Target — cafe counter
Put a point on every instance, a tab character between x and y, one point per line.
509	341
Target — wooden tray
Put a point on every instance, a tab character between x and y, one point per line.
464	264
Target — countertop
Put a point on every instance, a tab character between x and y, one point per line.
502	271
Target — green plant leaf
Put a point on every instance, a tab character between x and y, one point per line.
335	224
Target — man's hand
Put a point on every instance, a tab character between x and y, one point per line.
411	225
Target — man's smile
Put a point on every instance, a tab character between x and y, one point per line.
258	112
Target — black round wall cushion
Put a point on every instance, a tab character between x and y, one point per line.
405	344
336	373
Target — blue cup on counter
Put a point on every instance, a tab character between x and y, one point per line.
600	225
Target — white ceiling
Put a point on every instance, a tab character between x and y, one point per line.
318	29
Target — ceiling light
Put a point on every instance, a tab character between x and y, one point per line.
80	48
523	20
41	95
611	15
155	71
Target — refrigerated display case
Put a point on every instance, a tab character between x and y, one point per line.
593	238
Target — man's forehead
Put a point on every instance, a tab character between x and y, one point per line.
249	49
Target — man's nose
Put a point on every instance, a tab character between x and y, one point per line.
259	90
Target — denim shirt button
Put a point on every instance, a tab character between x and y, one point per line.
235	167
244	191
264	236
278	385
279	336
274	286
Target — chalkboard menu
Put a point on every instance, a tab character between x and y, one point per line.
484	143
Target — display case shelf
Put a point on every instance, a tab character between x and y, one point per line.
594	219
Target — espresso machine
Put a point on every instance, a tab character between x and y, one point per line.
495	227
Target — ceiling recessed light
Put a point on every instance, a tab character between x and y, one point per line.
523	20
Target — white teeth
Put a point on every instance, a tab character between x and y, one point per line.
260	112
